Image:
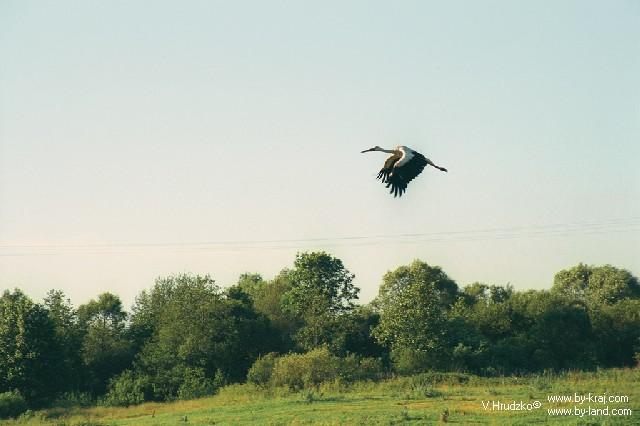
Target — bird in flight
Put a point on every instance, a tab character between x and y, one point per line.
401	167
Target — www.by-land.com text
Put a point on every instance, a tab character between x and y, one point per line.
600	402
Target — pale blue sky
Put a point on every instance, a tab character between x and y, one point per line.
127	123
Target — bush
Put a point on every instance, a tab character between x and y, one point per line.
408	361
126	389
298	371
74	399
289	370
197	385
12	404
433	378
305	370
370	368
349	367
354	368
261	371
219	380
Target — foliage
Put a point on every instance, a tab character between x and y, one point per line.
298	371
409	361
412	303
251	284
106	349
353	368
353	334
598	284
616	332
321	293
268	298
12	404
196	384
368	402
527	331
369	368
310	369
262	369
68	339
197	334
126	389
74	399
188	338
29	352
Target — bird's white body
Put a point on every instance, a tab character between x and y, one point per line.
407	155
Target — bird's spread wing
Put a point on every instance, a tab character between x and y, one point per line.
404	172
388	166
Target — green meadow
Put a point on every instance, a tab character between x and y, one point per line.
419	399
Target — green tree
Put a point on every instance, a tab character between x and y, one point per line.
484	307
529	331
251	283
256	334
563	336
29	352
266	298
597	284
322	291
479	292
68	338
106	349
270	300
354	334
199	334
616	330
412	302
150	304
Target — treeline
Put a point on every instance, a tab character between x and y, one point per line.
186	337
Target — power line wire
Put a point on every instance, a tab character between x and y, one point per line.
531	231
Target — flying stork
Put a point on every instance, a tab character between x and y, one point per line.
402	166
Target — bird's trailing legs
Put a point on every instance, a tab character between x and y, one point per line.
429	162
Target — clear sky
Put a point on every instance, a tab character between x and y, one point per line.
130	130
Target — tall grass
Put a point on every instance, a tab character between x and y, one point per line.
426	398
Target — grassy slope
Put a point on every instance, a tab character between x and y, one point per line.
394	401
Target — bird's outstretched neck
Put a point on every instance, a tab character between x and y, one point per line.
377	148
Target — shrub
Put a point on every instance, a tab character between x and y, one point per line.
349	367
408	361
261	371
370	368
74	399
219	380
289	370
126	389
12	404
196	384
298	371
305	370
432	378
353	368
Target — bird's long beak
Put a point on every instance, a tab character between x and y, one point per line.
366	150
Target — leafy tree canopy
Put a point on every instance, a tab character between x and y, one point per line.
412	304
321	292
600	284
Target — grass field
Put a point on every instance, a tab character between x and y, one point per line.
421	399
